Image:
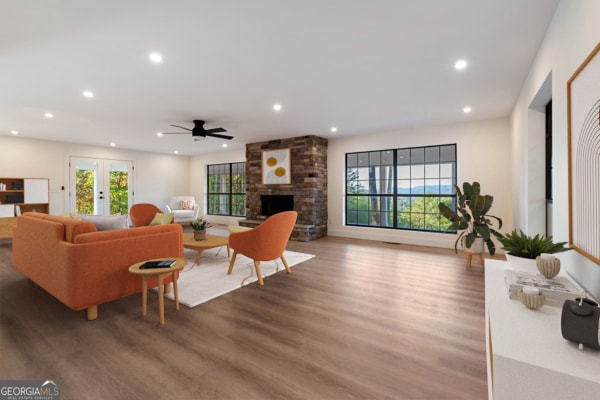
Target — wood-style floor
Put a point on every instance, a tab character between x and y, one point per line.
361	320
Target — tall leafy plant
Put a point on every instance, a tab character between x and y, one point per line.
471	217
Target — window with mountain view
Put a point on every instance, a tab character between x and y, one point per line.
226	189
401	188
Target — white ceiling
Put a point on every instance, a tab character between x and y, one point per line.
364	66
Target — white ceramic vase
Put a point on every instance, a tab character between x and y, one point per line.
522	264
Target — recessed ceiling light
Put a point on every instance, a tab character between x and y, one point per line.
467	109
113	144
176	152
14	132
333	129
460	64
224	145
156	58
277	107
159	133
88	94
48	115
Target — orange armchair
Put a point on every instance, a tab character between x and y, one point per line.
266	242
142	214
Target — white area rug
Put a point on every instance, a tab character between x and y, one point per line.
200	283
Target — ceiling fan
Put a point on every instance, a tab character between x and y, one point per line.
200	132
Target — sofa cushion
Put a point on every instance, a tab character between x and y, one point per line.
162	219
106	223
186	205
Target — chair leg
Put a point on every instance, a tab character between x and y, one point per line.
258	275
285	264
231	262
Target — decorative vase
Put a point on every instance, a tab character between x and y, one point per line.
533	301
549	267
200	235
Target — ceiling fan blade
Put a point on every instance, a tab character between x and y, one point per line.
215	130
219	136
177	126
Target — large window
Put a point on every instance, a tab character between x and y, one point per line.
226	189
401	188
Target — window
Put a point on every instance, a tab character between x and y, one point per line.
226	189
401	188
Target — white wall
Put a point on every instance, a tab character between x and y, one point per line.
572	35
156	176
198	180
483	151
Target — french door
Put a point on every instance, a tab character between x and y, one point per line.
100	186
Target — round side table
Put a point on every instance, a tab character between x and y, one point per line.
159	274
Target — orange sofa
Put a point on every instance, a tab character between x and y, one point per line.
83	267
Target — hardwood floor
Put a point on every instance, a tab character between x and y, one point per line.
361	320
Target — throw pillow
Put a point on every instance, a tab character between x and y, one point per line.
162	219
106	223
185	205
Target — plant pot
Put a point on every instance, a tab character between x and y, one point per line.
522	264
476	247
200	235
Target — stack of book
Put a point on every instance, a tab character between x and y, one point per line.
556	290
158	264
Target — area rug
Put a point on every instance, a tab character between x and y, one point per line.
200	283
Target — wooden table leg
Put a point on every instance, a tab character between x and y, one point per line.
198	254
161	299
469	260
175	293
144	295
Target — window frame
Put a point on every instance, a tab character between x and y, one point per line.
386	195
228	193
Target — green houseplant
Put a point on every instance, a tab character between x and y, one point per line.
471	217
519	244
199	226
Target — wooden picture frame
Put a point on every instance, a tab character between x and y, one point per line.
276	167
583	120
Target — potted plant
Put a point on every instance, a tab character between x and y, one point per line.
199	226
472	218
522	250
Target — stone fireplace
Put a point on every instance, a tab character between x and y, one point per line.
306	194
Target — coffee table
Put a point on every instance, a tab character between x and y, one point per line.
210	242
159	274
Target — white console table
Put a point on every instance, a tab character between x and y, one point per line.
527	357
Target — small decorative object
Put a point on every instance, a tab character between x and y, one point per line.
548	265
531	297
199	226
580	322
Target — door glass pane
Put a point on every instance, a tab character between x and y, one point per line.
119	189
86	187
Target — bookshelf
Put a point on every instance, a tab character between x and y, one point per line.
21	194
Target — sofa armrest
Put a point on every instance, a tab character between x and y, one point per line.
196	211
168	207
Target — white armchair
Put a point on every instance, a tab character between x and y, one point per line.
184	208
